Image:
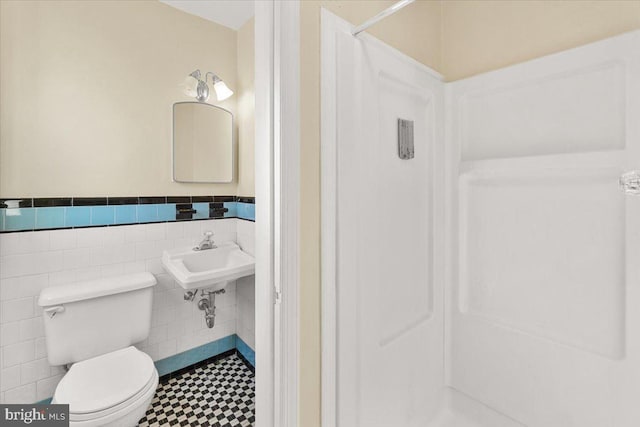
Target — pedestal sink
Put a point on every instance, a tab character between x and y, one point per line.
211	268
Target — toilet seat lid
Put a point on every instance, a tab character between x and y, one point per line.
102	382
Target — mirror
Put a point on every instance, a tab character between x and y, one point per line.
202	143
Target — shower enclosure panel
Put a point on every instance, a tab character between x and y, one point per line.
545	256
385	241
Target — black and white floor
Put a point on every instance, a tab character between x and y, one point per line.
220	393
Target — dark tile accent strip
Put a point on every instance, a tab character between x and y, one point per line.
122	200
217	212
181	371
51	202
178	199
224	198
201	199
184	211
152	200
89	201
246	362
49	229
22	203
45	202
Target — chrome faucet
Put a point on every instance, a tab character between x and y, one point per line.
206	243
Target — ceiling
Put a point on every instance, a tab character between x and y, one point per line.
230	13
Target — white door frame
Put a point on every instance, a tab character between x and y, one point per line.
277	175
328	205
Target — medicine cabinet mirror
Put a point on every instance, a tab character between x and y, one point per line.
202	143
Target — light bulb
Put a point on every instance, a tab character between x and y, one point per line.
222	91
190	86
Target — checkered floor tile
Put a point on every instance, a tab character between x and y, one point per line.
219	394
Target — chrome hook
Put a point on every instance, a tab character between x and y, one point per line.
630	182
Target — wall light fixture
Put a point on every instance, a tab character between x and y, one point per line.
198	88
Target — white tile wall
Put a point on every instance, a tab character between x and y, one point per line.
32	261
245	288
246	231
245	311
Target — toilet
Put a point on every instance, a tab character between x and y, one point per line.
92	327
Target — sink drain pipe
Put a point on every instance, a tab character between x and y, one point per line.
208	305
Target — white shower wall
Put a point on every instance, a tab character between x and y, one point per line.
534	322
389	296
544	325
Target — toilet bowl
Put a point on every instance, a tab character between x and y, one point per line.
114	389
92	326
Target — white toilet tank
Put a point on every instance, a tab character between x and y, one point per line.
87	319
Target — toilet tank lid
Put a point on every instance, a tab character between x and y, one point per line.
94	289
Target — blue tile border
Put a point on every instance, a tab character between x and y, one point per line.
195	355
102	215
77	217
167	212
232	209
50	218
147	213
69	212
246	211
19	219
126	214
246	351
202	210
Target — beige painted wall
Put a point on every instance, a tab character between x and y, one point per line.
246	108
456	38
479	36
86	95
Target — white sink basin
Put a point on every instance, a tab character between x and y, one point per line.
211	268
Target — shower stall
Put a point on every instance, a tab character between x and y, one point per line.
492	277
